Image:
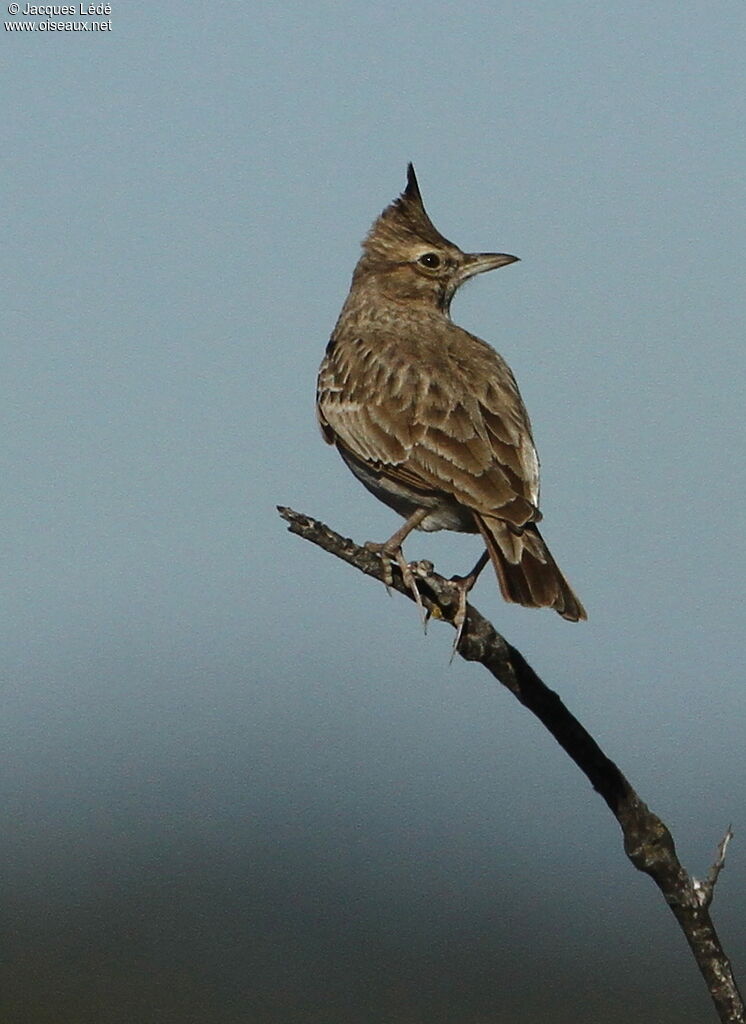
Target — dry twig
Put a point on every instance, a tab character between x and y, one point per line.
647	841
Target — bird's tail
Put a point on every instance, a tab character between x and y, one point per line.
526	571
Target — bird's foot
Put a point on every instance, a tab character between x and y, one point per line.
462	585
390	553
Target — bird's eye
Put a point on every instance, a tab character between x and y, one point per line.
431	260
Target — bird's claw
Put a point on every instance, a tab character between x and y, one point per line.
385	555
462	586
388	555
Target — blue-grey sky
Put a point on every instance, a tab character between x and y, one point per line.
239	783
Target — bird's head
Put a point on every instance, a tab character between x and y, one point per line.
409	258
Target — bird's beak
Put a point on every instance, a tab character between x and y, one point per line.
479	262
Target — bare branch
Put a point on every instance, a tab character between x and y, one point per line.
647	841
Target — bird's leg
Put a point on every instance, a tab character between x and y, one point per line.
391	550
463	585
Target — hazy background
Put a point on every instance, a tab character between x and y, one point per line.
238	783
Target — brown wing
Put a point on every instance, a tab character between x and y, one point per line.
443	415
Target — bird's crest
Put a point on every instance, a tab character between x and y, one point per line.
402	222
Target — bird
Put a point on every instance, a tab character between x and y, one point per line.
429	417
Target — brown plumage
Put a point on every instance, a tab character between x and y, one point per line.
428	416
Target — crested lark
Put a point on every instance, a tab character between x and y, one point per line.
428	417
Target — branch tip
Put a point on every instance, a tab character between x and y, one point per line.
706	890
